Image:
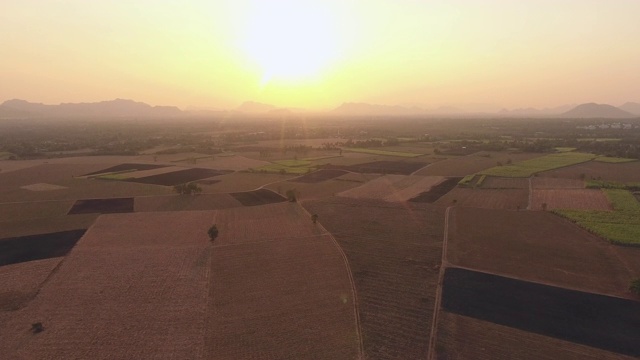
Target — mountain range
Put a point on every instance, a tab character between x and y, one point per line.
132	109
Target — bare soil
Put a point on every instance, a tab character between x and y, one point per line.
578	199
436	192
35	247
125	167
258	197
319	176
512	199
178	177
619	172
382	167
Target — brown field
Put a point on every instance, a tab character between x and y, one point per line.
241	181
556	183
34	210
151	172
21	282
394	251
535	246
42	187
45	173
235	162
620	172
279	299
462	338
185	202
471	164
80	188
578	199
261	223
46	225
311	191
135	286
393	187
486	198
492	182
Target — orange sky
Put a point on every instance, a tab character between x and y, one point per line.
319	53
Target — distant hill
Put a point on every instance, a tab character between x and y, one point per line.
533	112
631	107
252	106
593	110
112	108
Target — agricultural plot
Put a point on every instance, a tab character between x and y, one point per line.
44	173
136	286
578	199
512	199
308	191
536	246
393	187
462	338
21	282
594	320
185	202
42	187
179	177
150	172
17	228
33	210
621	226
283	298
234	162
382	167
125	167
258	197
615	160
394	251
262	223
383	152
492	182
319	176
35	247
102	206
533	166
436	192
618	172
471	164
242	181
556	183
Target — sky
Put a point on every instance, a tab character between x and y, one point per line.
317	54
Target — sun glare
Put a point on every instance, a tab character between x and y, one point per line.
290	40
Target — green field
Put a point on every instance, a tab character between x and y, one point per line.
533	166
621	226
382	152
466	180
322	157
615	160
293	163
4	155
600	184
297	167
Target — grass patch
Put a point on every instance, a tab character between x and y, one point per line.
383	152
565	149
466	180
533	166
322	157
600	184
615	160
621	226
281	169
481	180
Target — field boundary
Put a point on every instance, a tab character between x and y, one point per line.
438	300
354	292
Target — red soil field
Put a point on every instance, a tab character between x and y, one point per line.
126	167
45	173
556	183
462	338
486	198
382	167
21	282
46	225
178	177
261	223
185	202
536	246
620	172
135	286
579	199
319	176
258	197
492	182
394	250
279	299
34	210
102	206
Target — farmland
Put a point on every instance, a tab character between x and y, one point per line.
578	199
382	167
621	226
471	164
594	320
512	199
533	166
437	191
619	172
384	152
394	187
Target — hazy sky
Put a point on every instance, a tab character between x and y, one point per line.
320	53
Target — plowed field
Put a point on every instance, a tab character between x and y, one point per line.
578	199
486	198
394	187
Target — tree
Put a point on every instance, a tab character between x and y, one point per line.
187	189
314	218
544	206
213	232
291	195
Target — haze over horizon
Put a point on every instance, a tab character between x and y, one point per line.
318	54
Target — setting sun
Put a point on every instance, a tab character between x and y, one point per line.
288	40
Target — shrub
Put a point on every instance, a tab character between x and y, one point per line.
634	287
213	232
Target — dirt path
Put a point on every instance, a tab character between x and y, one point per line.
530	195
431	355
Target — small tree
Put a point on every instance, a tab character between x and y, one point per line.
291	195
213	232
37	327
544	206
634	287
314	218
